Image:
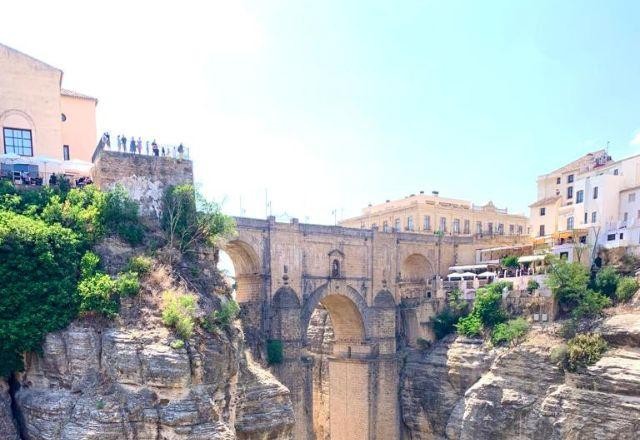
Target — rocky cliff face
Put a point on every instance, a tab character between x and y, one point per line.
464	391
121	379
320	335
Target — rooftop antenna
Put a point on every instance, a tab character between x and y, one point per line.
607	149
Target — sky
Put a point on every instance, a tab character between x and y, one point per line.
320	108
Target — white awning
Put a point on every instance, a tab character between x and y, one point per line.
455	276
487	274
469	267
530	258
468	275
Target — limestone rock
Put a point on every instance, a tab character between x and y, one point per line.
7	424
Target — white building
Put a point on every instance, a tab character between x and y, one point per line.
590	201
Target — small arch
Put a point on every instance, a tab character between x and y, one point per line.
384	298
416	268
244	257
335	268
347	309
285	298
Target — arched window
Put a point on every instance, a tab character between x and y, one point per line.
335	269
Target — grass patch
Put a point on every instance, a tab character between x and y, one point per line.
179	313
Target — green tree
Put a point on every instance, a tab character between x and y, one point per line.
627	287
510	262
607	281
568	282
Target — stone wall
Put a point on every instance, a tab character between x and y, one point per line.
144	177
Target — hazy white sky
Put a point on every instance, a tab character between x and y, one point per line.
331	105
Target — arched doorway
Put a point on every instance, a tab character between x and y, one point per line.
416	277
246	268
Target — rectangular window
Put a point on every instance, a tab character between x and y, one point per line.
397	225
501	228
410	223
65	152
626	216
595	192
580	196
632	197
426	223
385	226
570	192
520	229
615	172
569	223
621	235
570	178
456	225
593	217
586	217
443	224
558	181
467	227
611	237
18	141
478	227
490	228
541	231
543	211
512	229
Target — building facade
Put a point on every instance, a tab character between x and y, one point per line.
38	118
588	203
429	214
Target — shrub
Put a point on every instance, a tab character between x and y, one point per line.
591	305
177	344
39	264
189	219
128	284
509	332
275	352
568	329
89	264
607	281
470	326
223	317
568	282
585	349
532	286
140	264
627	287
510	262
98	295
487	305
444	323
120	216
179	312
100	404
423	344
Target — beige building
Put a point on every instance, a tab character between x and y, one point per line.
38	118
431	213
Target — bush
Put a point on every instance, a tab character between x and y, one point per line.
179	312
444	323
275	352
128	284
39	264
487	305
509	332
532	286
89	264
223	317
568	329
607	281
120	216
470	326
568	282
177	344
558	355
585	349
591	305
140	264
98	295
510	262
627	287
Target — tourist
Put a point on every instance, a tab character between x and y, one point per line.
124	144
147	148
139	145
108	141
180	150
119	142
174	151
163	150
132	146
155	148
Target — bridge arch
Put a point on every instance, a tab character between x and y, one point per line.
346	307
247	267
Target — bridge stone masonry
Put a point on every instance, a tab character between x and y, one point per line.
380	292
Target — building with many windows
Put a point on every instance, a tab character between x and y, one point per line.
428	214
588	203
40	119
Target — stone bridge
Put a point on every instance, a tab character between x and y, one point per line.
363	278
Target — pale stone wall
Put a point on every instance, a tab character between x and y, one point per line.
144	177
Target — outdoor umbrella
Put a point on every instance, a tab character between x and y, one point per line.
487	274
454	276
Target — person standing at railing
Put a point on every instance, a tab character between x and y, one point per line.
155	148
180	151
119	142
139	145
124	144
132	146
108	139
